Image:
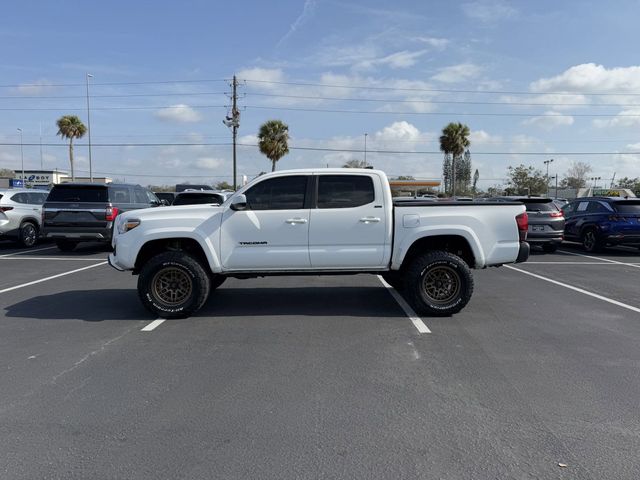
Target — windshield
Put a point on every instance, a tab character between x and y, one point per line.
78	193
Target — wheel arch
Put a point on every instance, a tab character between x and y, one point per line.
452	243
185	244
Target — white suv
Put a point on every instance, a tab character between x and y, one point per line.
21	215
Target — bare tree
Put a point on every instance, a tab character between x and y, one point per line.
576	176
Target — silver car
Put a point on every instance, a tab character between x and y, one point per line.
21	215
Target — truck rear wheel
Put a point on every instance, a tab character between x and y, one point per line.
173	285
438	284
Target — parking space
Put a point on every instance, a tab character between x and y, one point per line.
323	377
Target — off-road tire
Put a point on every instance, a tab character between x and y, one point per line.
590	241
173	285
66	245
438	284
549	247
28	234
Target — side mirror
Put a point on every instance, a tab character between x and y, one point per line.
239	202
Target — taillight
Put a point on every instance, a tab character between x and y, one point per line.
556	214
523	225
110	214
5	209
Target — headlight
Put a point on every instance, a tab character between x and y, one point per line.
124	225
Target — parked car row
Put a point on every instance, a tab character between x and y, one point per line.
75	212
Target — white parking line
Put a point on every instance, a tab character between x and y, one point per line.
70	259
577	289
153	325
51	277
598	258
31	250
577	263
415	319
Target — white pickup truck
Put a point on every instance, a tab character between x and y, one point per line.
324	221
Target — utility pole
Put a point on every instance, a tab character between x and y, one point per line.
233	121
613	179
89	129
365	149
547	162
24	183
41	162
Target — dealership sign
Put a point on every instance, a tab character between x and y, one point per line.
36	178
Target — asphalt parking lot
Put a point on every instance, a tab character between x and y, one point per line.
320	377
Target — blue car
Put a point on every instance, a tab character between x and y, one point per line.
597	222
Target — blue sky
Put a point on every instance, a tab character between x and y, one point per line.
407	68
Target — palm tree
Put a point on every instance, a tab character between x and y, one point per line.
70	126
454	141
272	140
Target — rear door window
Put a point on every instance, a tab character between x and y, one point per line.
20	198
344	191
79	194
141	195
36	198
120	194
597	207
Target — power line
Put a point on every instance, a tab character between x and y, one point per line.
437	90
318	149
124	95
474	114
154	82
359	112
155	107
442	102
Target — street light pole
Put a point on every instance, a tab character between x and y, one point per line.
22	158
365	149
89	128
547	162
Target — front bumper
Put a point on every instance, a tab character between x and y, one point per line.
523	253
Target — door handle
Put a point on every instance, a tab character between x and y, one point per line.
294	221
370	220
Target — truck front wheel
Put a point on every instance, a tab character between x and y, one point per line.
173	285
438	284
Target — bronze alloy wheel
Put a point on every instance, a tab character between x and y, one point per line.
171	286
441	284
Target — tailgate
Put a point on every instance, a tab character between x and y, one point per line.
62	214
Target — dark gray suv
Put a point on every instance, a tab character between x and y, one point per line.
546	221
83	212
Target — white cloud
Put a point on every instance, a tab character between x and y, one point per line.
434	42
403	131
487	11
457	73
180	113
626	118
208	163
550	120
38	87
481	137
633	146
592	78
403	59
262	74
553	100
